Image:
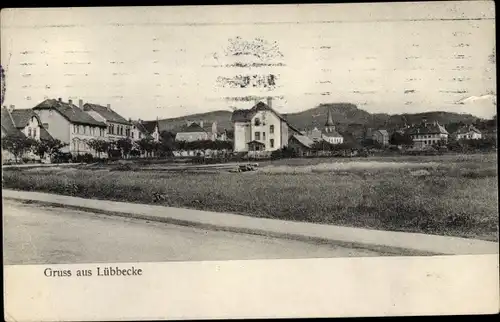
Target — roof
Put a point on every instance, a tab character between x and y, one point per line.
44	135
467	129
255	142
8	125
192	128
383	132
106	113
150	126
429	128
245	115
69	111
304	140
331	133
329	121
22	117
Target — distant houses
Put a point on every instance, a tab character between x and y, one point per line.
467	132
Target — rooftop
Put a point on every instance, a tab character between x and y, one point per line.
69	111
106	112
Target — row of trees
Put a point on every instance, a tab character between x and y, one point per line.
18	146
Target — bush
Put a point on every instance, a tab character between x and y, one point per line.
83	158
61	157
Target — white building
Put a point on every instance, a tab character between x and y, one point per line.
117	126
468	133
260	128
428	134
70	124
328	134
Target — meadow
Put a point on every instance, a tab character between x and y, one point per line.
444	195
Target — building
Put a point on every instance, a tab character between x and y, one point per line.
302	145
117	126
70	124
144	129
328	134
260	128
197	131
468	133
381	137
427	134
24	123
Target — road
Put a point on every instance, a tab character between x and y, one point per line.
36	234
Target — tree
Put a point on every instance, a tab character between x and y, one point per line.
47	147
99	146
401	139
145	145
17	145
125	146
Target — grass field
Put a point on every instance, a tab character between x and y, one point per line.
446	195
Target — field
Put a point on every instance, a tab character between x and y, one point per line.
446	195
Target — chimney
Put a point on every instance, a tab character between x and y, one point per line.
109	107
59	99
80	104
70	101
201	123
11	108
270	101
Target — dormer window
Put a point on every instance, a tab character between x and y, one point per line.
257	121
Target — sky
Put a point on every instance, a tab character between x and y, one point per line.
164	62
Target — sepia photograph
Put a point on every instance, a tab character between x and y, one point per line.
140	135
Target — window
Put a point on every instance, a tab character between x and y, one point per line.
132	135
271	142
140	135
29	132
34	132
257	136
257	121
271	129
263	136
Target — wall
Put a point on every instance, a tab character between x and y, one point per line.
267	119
241	136
78	138
194	136
284	134
33	128
57	126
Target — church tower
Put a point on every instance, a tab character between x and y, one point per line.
329	125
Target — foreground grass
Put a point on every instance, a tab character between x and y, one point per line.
458	199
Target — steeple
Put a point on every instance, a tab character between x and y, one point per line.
329	125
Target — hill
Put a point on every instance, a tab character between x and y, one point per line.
349	118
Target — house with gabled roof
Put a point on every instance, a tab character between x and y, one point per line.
22	123
117	126
427	134
260	128
70	124
196	131
381	137
302	145
467	132
144	129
